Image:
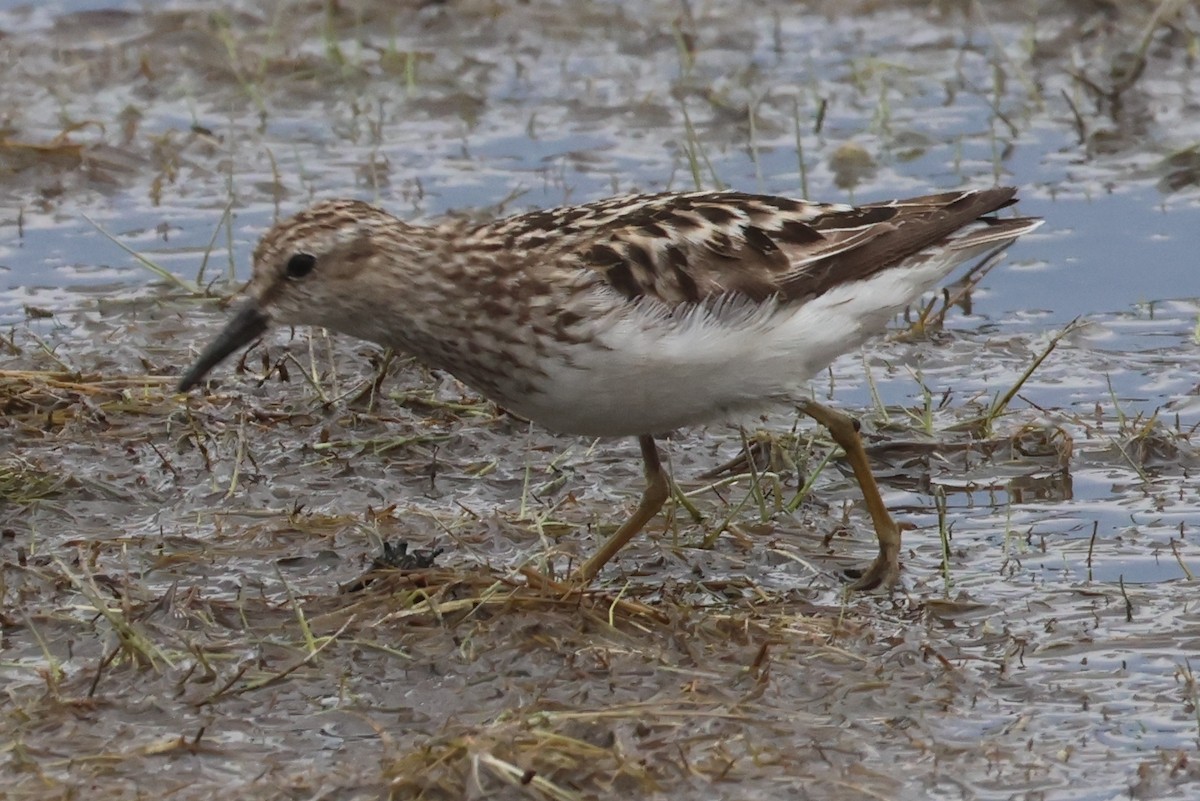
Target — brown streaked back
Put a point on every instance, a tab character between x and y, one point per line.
687	248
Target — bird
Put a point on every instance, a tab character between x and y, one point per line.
631	316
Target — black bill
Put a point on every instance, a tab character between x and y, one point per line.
247	325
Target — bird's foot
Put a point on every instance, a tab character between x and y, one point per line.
884	571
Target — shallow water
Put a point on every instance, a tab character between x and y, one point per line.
189	553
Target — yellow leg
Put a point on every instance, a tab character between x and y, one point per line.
657	490
885	570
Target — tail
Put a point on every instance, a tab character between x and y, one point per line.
931	231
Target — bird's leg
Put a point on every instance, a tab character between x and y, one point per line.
885	570
657	491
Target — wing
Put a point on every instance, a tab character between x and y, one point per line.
688	248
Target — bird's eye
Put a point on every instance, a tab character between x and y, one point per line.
300	265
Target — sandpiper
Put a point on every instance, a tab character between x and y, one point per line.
631	316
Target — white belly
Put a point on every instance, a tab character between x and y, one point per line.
653	370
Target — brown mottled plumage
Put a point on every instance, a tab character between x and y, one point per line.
628	316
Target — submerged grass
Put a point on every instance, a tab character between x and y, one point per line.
22	483
52	398
162	273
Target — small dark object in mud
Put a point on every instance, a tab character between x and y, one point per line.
394	557
397	557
